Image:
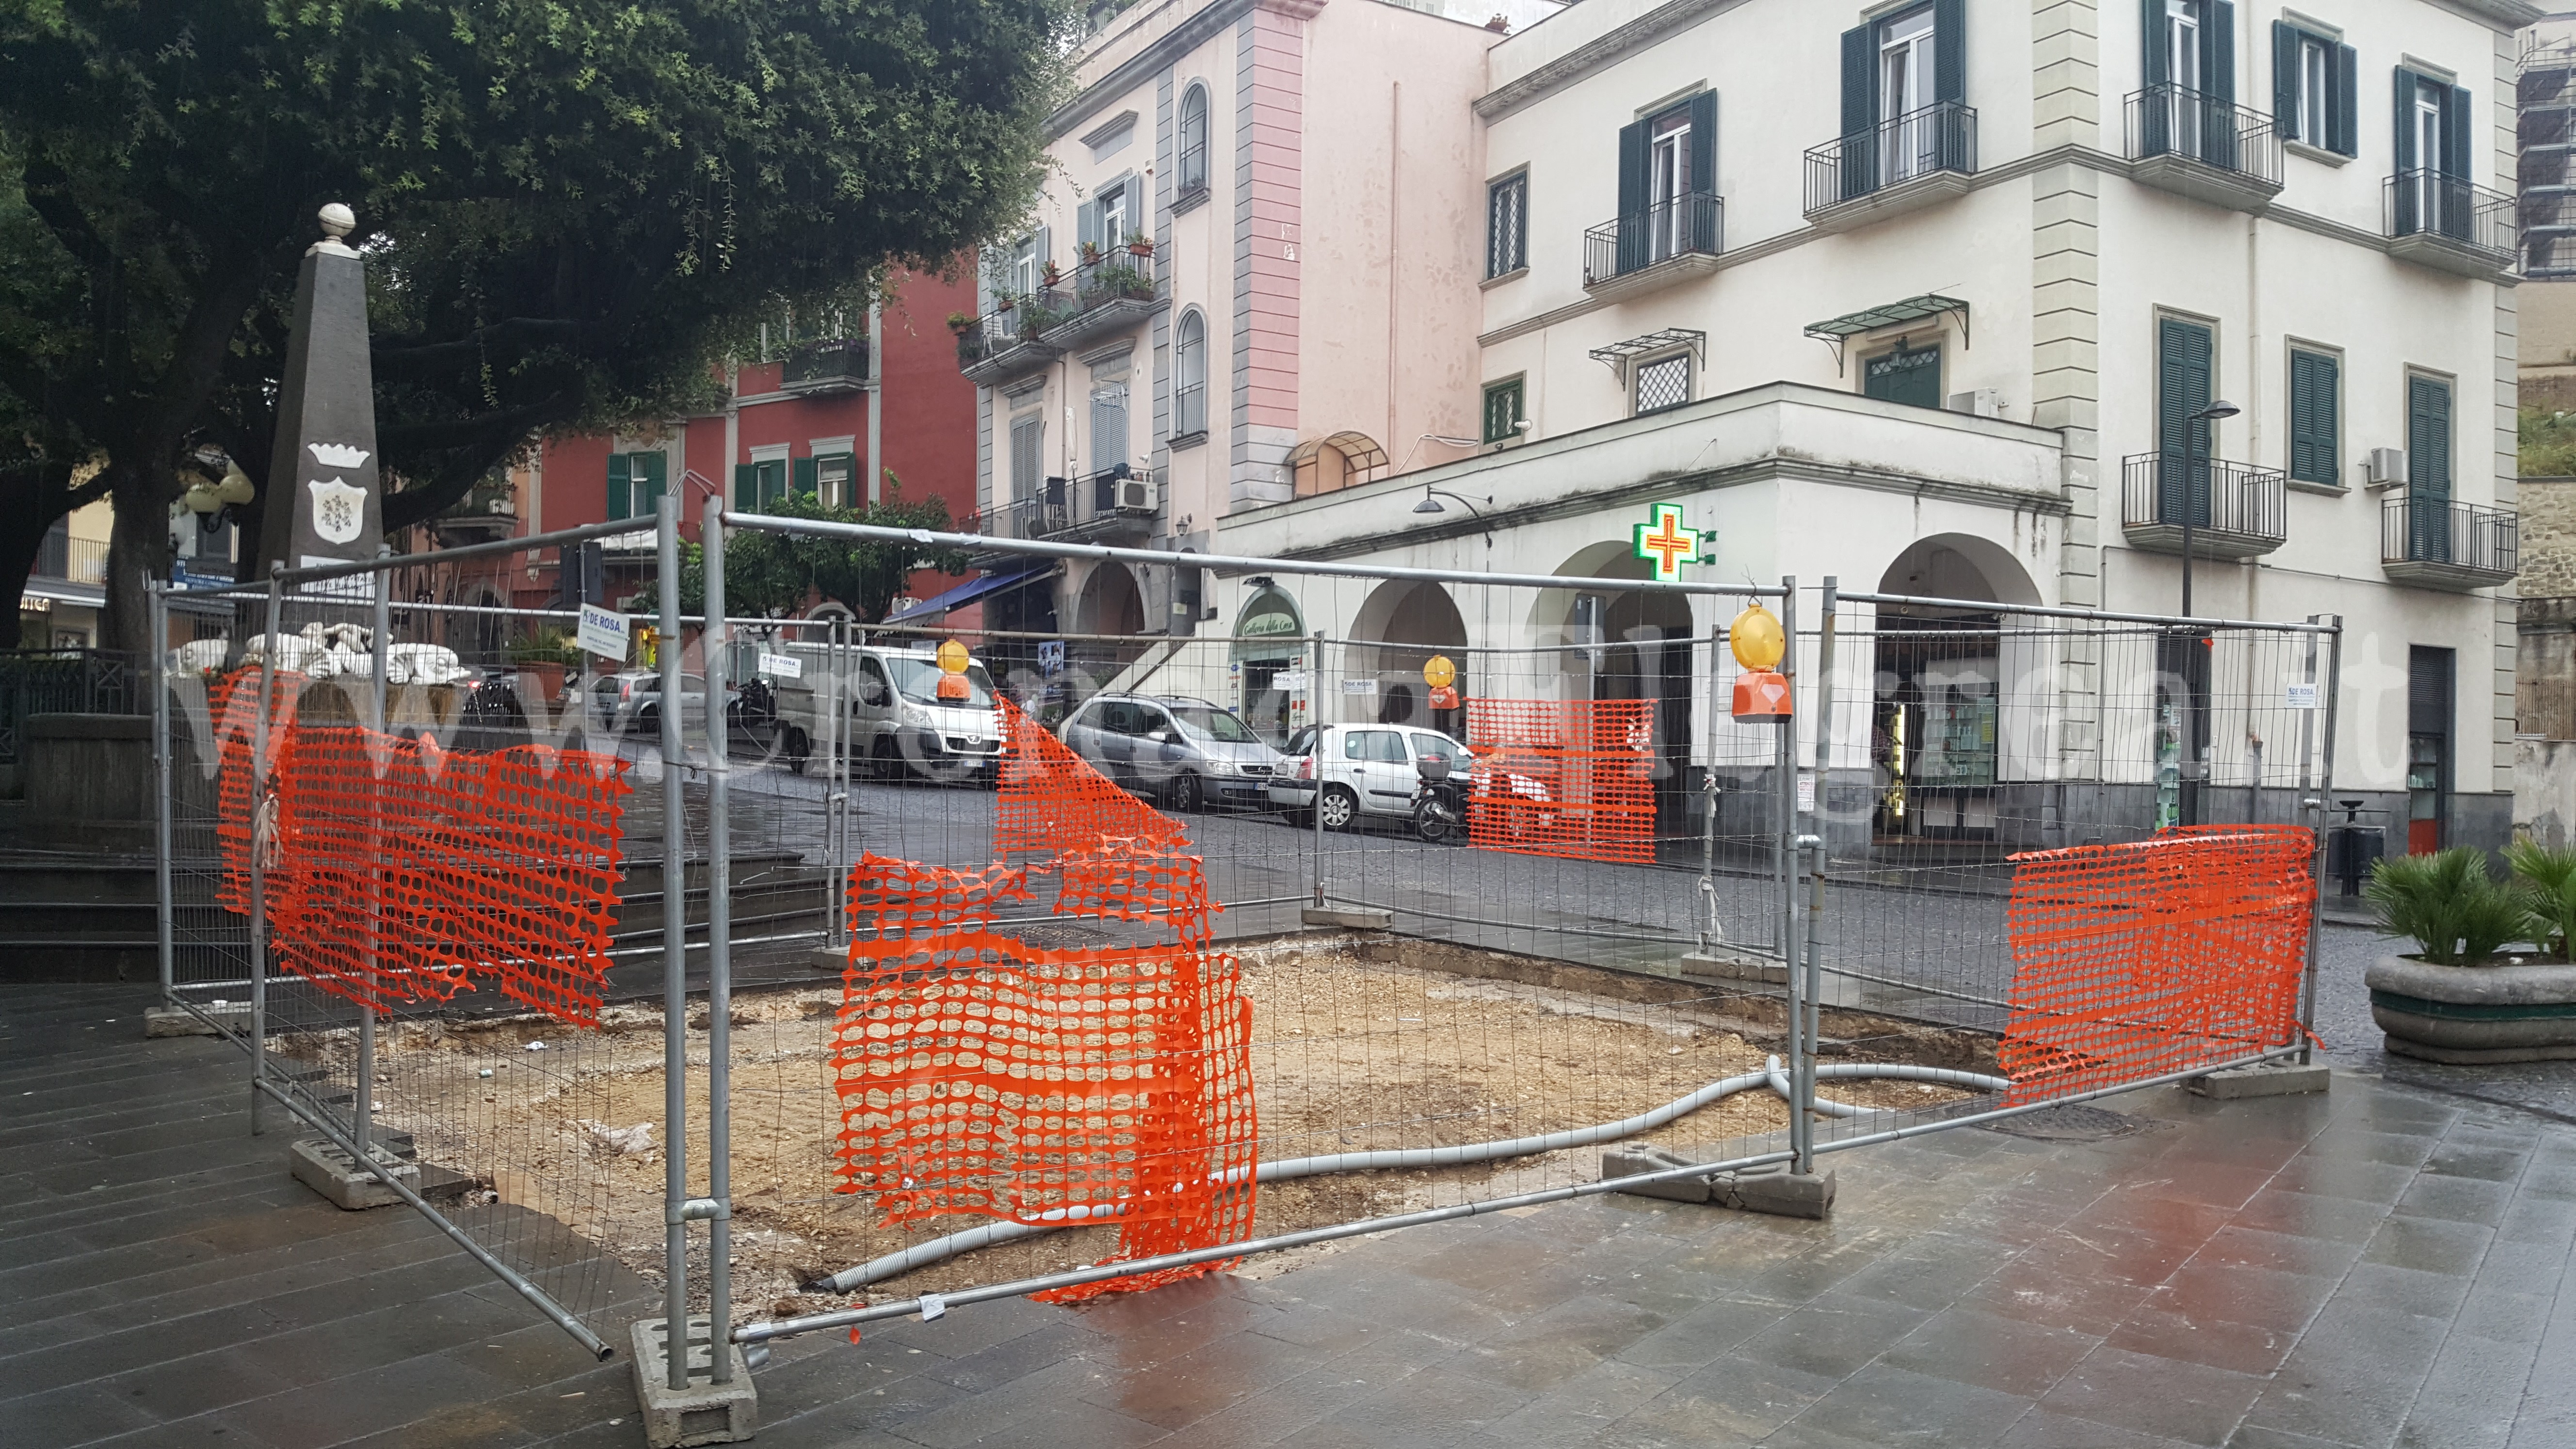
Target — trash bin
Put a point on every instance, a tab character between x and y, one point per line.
2355	844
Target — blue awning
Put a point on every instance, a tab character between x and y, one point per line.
967	593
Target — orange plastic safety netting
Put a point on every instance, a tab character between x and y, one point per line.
398	871
1051	799
1572	778
2132	962
981	1074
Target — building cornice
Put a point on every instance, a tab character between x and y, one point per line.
1605	49
1180	40
2015	170
2504	15
1664	487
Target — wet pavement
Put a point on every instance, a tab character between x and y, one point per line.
2385	1265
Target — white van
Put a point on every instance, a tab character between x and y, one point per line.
896	717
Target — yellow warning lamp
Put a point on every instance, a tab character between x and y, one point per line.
1442	676
1761	691
952	671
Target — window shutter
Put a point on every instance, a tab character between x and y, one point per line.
806	475
2456	133
1136	220
2151	42
2404	95
621	502
1044	251
1632	196
746	486
1703	143
2346	102
2218	53
2312	418
2428	437
1949	50
2285	84
1859	165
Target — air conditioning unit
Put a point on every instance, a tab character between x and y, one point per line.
2385	467
1135	495
1985	402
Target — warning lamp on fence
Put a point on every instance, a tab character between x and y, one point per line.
952	671
1761	692
1442	676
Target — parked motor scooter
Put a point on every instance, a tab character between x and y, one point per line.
1439	808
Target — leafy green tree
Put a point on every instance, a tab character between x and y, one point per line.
773	575
2547	443
571	209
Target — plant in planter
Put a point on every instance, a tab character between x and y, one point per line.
1138	245
1090	253
2459	998
1121	281
961	323
1052	277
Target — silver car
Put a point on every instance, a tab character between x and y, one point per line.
1181	752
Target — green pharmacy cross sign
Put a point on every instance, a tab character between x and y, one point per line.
1665	543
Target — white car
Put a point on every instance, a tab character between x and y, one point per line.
898	724
1367	770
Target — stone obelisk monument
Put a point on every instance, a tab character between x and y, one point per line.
324	489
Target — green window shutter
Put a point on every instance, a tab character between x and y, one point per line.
2285	89
2428	436
1857	172
2151	42
621	503
773	480
2218	53
2454	160
803	472
2346	102
1632	196
746	486
2404	111
1949	51
2313	428
2182	388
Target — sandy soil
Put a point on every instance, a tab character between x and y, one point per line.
1346	1056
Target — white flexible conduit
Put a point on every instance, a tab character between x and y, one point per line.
921	1255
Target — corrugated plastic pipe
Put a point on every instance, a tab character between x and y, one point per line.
922	1255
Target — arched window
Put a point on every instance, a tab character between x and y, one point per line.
1189	374
1194	141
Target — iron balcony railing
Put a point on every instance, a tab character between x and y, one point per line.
2171	120
1016	321
73	560
2431	529
1941	137
2231	507
1120	274
838	364
1064	505
2425	202
1693	224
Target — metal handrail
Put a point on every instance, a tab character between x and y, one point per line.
2172	120
2221	498
1692	224
2427	202
2430	528
1936	138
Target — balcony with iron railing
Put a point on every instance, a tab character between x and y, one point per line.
837	365
1115	505
1112	289
1896	166
1665	242
1010	339
2443	222
2433	542
2228	510
72	560
2202	146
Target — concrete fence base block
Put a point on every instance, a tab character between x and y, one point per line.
1777	1191
2264	1079
1640	1157
325	1168
1728	968
180	1021
1348	920
829	958
705	1412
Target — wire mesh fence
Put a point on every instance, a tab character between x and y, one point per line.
1032	959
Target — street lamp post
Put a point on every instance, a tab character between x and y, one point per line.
2191	487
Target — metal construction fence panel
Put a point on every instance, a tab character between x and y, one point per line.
925	963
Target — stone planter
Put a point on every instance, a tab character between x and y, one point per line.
2471	1014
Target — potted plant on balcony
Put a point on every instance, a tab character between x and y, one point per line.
1052	277
1089	252
962	323
1139	245
2462	997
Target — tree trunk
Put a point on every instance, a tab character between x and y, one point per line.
138	548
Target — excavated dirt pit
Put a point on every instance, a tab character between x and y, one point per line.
1356	1046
